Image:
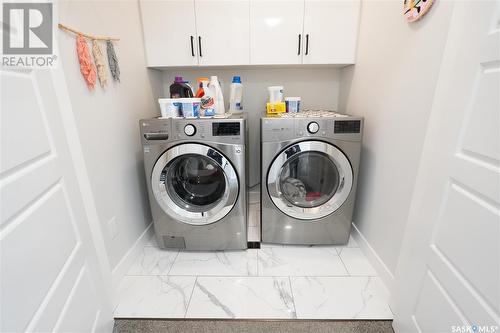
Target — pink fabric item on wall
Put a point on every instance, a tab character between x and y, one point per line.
87	68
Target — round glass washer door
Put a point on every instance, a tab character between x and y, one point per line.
310	180
194	184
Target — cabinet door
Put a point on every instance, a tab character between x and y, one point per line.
330	31
276	31
169	32
223	32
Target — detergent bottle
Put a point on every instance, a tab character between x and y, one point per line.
180	89
236	95
216	92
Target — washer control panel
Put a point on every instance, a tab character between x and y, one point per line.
220	130
226	128
155	131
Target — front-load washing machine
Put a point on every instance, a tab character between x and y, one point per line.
309	173
196	179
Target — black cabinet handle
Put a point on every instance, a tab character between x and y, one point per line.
298	52
307	44
192	46
199	46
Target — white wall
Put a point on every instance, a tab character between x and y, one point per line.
107	121
318	87
392	86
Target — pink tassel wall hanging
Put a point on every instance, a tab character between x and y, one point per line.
86	66
89	70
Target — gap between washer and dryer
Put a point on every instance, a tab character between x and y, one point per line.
254	214
273	282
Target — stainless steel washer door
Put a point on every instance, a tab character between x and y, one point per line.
310	180
195	184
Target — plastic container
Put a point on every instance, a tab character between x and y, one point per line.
236	95
207	106
216	93
170	107
207	100
275	94
190	107
292	104
202	86
276	108
180	89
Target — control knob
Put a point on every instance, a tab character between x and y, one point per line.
313	127
189	130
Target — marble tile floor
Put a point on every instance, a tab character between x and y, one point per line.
273	282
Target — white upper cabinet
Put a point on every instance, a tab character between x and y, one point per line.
169	32
276	29
249	32
330	31
223	32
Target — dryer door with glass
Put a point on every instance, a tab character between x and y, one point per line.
310	180
195	184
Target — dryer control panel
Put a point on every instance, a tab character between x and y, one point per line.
347	126
341	128
346	129
313	127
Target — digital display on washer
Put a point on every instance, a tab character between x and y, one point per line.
225	129
347	126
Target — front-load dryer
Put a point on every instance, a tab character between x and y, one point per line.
309	173
196	179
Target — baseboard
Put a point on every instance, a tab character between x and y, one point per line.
382	270
126	262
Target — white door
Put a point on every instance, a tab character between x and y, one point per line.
448	277
330	31
276	32
51	280
169	32
223	32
